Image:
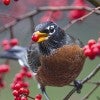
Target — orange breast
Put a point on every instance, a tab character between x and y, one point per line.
61	67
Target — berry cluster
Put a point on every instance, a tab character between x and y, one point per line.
4	68
75	14
19	86
20	93
92	49
7	44
7	2
20	78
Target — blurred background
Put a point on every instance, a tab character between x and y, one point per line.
85	30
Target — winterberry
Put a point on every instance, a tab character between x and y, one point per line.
17	86
15	93
35	38
29	74
91	42
5	42
6	2
38	97
14	42
75	14
24	98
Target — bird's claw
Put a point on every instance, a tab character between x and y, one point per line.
78	86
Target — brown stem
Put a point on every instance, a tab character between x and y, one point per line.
11	32
31	97
32	23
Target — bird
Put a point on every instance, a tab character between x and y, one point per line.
56	57
18	53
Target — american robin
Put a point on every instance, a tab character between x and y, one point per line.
56	57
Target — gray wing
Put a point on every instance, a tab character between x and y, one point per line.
71	40
33	55
79	42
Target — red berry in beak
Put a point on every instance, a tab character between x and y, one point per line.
35	38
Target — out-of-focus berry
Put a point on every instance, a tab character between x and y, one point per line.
6	2
14	42
75	14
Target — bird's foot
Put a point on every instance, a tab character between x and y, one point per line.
78	86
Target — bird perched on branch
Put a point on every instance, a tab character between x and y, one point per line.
56	57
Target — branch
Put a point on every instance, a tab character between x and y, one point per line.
81	18
90	93
93	73
94	2
45	8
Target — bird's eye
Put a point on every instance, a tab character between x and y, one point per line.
45	31
51	29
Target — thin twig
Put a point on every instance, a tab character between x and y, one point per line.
32	24
95	83
93	73
90	93
80	19
45	8
30	97
11	32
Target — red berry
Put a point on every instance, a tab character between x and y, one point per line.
17	98
24	98
92	57
87	52
25	84
29	74
6	47
96	51
74	14
39	97
23	73
98	45
26	92
17	86
14	42
5	42
2	84
19	76
85	47
4	68
15	93
24	68
6	2
35	38
21	90
91	42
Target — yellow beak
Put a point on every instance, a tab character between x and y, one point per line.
39	37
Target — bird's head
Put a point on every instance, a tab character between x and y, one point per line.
47	31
